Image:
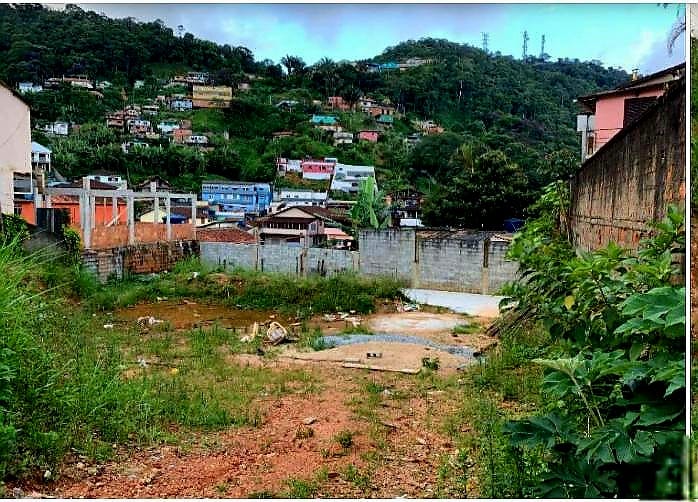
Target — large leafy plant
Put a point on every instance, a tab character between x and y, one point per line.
614	383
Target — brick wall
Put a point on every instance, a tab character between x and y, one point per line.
117	235
633	179
138	259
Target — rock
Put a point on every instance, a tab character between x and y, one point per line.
17	493
422	441
92	471
309	420
47	474
80	465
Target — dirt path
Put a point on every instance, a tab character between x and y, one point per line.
238	462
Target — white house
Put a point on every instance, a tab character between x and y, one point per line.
290	197
348	178
57	128
15	146
196	139
30	87
168	126
110	178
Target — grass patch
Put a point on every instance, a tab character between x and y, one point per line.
466	329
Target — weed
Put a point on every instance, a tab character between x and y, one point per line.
261	495
361	480
430	363
304	433
466	329
345	439
222	489
301	488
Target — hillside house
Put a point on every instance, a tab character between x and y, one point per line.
317	169
15	151
323	120
385	121
287	104
343	138
237	196
196	139
348	178
151	109
295	226
369	135
178	214
153	184
606	113
180	136
108	178
284	166
138	126
244	86
291	197
29	87
338	103
338	238
116	120
130	146
41	164
181	104
211	96
405	208
168	126
58	128
428	127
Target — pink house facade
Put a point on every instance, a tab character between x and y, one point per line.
371	136
605	113
317	169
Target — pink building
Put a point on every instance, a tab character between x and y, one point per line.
181	135
371	136
317	169
605	113
337	102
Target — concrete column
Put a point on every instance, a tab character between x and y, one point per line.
193	215
47	201
131	218
93	211
167	217
156	209
114	211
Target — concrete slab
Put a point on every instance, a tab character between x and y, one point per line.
461	303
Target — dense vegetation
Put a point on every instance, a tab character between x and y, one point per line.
613	420
512	118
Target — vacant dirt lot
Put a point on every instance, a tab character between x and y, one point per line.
360	433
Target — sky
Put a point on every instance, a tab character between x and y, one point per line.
619	35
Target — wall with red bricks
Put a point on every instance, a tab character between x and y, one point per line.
631	181
117	235
138	259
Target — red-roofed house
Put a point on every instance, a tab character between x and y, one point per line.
371	136
234	235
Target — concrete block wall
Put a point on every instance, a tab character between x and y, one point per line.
450	264
279	258
470	265
389	252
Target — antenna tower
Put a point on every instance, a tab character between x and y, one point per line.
485	41
525	44
542	46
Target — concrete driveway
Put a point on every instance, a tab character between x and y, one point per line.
461	303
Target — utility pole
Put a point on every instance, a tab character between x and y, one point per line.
525	44
542	46
485	41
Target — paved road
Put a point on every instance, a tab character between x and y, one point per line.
462	303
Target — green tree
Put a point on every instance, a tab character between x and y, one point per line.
370	210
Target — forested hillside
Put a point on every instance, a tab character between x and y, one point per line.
509	124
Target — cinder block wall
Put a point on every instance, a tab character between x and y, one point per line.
450	264
632	180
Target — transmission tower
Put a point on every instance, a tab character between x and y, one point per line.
485	41
525	44
542	46
180	30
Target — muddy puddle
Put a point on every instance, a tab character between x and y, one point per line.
187	314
